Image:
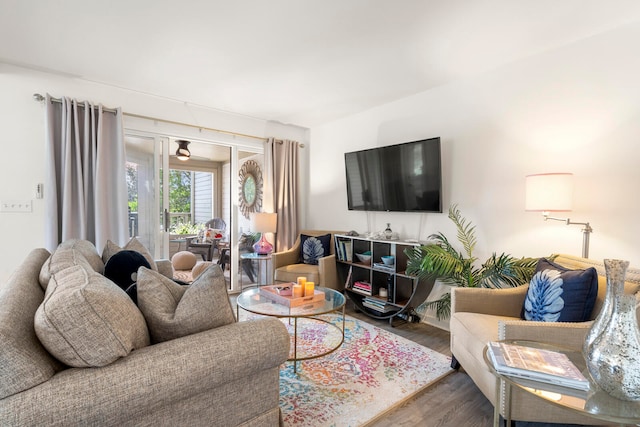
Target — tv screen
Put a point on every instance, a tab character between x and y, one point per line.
397	178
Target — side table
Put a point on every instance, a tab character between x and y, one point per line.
595	403
262	259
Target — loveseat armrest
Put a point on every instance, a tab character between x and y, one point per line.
570	335
498	302
151	378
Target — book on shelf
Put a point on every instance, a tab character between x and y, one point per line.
378	304
362	287
343	250
536	364
347	283
384	267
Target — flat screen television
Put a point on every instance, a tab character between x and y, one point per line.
395	178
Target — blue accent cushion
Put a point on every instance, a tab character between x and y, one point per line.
312	248
558	294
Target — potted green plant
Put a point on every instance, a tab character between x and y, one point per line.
440	260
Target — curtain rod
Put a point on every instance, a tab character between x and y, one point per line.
41	98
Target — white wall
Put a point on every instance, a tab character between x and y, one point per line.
22	159
573	109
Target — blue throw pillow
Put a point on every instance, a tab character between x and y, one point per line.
558	294
123	267
312	248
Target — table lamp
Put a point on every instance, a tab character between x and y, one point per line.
263	223
553	192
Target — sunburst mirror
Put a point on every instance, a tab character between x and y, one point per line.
250	188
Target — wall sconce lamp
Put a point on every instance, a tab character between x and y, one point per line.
263	222
183	152
553	192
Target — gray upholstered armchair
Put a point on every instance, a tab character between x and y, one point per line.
287	266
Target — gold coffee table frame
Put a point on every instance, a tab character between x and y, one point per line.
253	302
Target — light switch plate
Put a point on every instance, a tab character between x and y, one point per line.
16	206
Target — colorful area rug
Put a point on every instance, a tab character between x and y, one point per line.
373	372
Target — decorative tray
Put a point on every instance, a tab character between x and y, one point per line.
282	295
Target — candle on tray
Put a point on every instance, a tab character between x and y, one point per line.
302	280
298	291
308	289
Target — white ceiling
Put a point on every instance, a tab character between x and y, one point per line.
295	61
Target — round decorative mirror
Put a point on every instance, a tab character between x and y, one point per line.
250	188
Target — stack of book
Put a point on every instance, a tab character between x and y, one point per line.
343	250
362	287
536	364
384	267
378	304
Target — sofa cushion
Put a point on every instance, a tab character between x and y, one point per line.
291	272
173	311
88	250
122	268
86	320
312	248
24	363
134	244
559	294
61	259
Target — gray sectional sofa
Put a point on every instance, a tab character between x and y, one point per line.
227	375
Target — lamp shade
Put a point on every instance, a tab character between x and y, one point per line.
549	192
263	222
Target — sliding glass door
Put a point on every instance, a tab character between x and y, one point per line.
146	199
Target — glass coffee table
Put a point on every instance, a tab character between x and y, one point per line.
307	343
594	403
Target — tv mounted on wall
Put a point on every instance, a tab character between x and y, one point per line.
396	178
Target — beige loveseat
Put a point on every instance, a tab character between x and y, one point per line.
481	315
224	376
287	266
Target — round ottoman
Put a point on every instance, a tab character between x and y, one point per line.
183	260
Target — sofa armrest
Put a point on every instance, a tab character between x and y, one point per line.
165	267
329	272
498	302
154	376
569	335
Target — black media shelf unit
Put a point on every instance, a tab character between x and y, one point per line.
404	291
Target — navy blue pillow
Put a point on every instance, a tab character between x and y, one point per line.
122	267
558	294
312	248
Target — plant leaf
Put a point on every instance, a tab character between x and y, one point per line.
466	231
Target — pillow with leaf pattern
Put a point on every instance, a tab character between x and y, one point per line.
312	248
558	294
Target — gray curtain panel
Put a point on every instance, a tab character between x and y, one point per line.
281	156
86	192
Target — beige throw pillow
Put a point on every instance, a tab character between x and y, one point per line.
134	244
61	259
86	320
173	311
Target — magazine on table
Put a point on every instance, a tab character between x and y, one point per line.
536	364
